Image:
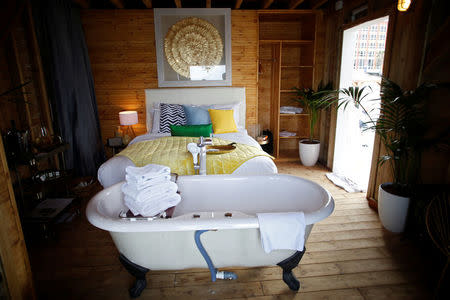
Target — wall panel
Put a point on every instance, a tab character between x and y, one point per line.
121	46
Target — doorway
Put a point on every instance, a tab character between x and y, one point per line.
363	49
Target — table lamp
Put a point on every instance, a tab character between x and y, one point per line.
127	119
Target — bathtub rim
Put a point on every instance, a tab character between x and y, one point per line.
207	221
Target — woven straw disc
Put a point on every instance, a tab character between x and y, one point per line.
192	42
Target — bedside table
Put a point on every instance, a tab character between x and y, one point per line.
115	145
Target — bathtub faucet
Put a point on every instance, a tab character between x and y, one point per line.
198	152
202	143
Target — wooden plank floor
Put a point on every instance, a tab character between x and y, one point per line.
349	256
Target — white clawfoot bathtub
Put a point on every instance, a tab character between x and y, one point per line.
168	244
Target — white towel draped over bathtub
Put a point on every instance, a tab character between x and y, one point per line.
148	190
282	231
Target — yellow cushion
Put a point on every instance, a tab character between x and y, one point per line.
222	120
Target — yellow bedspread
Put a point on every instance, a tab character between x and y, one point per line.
172	152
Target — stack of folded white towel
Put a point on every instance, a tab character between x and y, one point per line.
148	190
290	110
285	133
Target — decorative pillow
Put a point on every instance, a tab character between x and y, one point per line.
222	121
228	106
196	115
171	114
191	130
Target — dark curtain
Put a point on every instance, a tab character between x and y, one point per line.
70	83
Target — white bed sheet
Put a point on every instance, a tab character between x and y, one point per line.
113	170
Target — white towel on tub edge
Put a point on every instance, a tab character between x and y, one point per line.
282	231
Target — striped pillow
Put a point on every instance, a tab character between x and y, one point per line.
171	114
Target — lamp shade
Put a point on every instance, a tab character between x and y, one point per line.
128	117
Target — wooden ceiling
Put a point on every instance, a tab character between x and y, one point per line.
233	4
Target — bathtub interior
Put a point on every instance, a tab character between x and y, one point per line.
249	195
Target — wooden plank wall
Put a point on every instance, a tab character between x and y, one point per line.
18	65
121	46
13	252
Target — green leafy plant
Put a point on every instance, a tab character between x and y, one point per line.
401	127
315	101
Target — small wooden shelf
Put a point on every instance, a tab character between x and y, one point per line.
287	56
288	155
296	66
301	42
292	137
294	115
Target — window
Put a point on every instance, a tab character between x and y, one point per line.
373	36
363	45
370	63
372	45
371	54
361	63
374	27
378	63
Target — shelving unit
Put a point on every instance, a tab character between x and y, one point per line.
286	60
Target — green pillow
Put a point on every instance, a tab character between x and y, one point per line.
191	130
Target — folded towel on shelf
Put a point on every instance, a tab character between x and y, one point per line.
290	110
282	231
285	133
147	172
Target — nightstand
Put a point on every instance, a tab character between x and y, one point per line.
116	145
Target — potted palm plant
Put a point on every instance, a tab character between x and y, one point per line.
401	128
313	102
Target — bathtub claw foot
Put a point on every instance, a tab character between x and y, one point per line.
287	265
138	272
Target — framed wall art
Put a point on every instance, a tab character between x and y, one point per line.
193	46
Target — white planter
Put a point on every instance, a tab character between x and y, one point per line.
309	153
392	209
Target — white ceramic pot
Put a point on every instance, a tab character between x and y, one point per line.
392	209
309	153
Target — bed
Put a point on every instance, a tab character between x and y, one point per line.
113	170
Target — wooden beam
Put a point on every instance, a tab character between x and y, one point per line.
178	3
208	3
40	84
147	3
266	3
315	4
82	3
294	3
118	3
238	4
16	271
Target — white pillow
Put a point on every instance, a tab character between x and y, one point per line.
156	113
234	106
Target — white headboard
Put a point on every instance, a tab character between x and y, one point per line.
200	96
